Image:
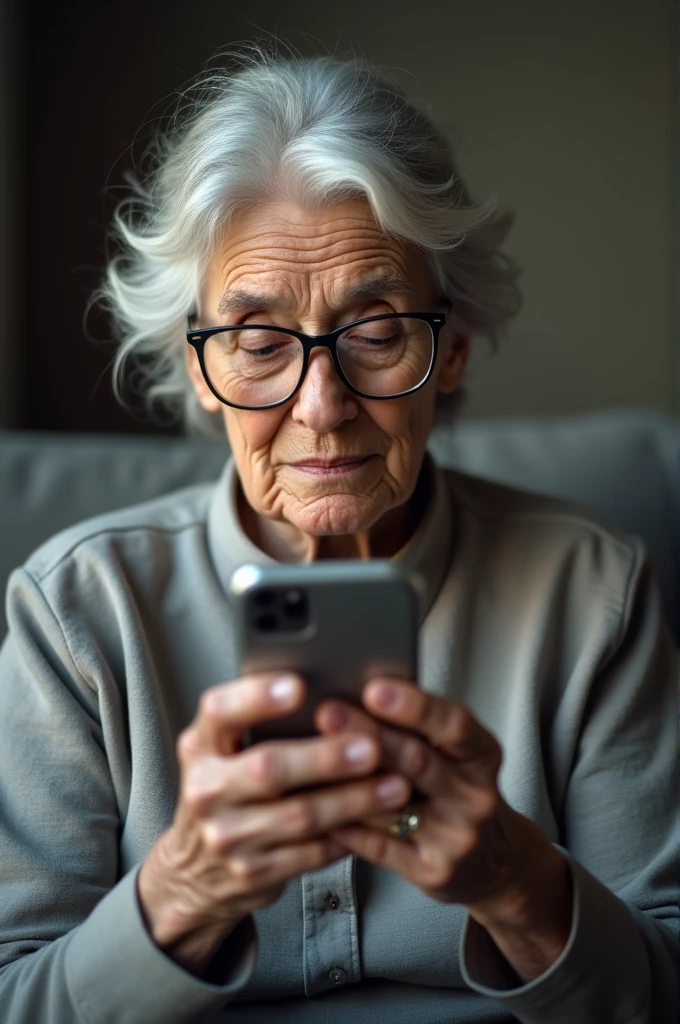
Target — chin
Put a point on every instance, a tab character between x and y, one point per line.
337	515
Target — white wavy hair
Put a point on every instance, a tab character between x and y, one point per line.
309	130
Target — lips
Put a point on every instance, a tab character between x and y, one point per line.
347	460
331	467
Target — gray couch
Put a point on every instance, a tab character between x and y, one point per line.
626	465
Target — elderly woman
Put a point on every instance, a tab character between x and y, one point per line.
311	226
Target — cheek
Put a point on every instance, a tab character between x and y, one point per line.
406	424
407	421
252	431
251	436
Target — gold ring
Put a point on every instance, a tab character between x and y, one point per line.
406	823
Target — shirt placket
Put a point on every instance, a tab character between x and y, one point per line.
331	937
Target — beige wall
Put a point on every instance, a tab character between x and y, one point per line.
576	134
565	112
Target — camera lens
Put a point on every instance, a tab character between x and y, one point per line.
266	623
264	598
295	604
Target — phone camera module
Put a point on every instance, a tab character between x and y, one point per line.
279	610
266	623
295	605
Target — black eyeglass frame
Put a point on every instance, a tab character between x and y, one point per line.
198	338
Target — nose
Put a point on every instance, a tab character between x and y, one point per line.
323	403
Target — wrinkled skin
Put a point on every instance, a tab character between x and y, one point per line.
305	263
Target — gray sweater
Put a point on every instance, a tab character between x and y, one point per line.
546	624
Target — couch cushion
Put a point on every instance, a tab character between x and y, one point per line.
625	465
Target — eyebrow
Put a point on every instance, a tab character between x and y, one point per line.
375	287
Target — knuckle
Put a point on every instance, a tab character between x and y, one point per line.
196	803
263	766
186	746
300	817
197	793
215	839
208	705
243	869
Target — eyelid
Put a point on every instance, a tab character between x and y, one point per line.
378	325
264	319
356	315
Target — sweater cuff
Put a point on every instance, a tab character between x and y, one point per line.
117	975
601	976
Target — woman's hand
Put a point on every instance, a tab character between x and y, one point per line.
240	829
471	847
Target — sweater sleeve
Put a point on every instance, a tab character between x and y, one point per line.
73	946
620	833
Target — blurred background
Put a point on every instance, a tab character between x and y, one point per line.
567	113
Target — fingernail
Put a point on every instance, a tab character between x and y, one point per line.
391	790
384	695
358	750
336	718
283	689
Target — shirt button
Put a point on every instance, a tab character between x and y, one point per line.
338	976
332	901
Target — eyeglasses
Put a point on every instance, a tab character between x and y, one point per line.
258	366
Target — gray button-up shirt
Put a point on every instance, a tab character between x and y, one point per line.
546	624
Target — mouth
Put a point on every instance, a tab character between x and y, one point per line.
331	467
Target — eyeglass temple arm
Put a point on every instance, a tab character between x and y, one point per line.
447	310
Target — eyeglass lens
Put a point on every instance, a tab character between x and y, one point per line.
255	366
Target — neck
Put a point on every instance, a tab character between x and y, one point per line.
286	543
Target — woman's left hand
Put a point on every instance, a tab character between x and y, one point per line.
471	847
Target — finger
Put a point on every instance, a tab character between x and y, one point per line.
333	716
447	724
439	821
429	866
225	711
431	773
267	868
303	816
274	767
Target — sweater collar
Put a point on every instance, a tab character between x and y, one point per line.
427	553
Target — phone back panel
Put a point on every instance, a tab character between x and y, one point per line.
337	624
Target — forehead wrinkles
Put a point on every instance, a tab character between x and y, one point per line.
305	256
327	248
332	276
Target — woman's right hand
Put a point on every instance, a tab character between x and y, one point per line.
240	829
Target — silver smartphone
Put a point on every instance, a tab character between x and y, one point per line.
336	623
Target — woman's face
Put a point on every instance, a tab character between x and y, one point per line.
280	264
